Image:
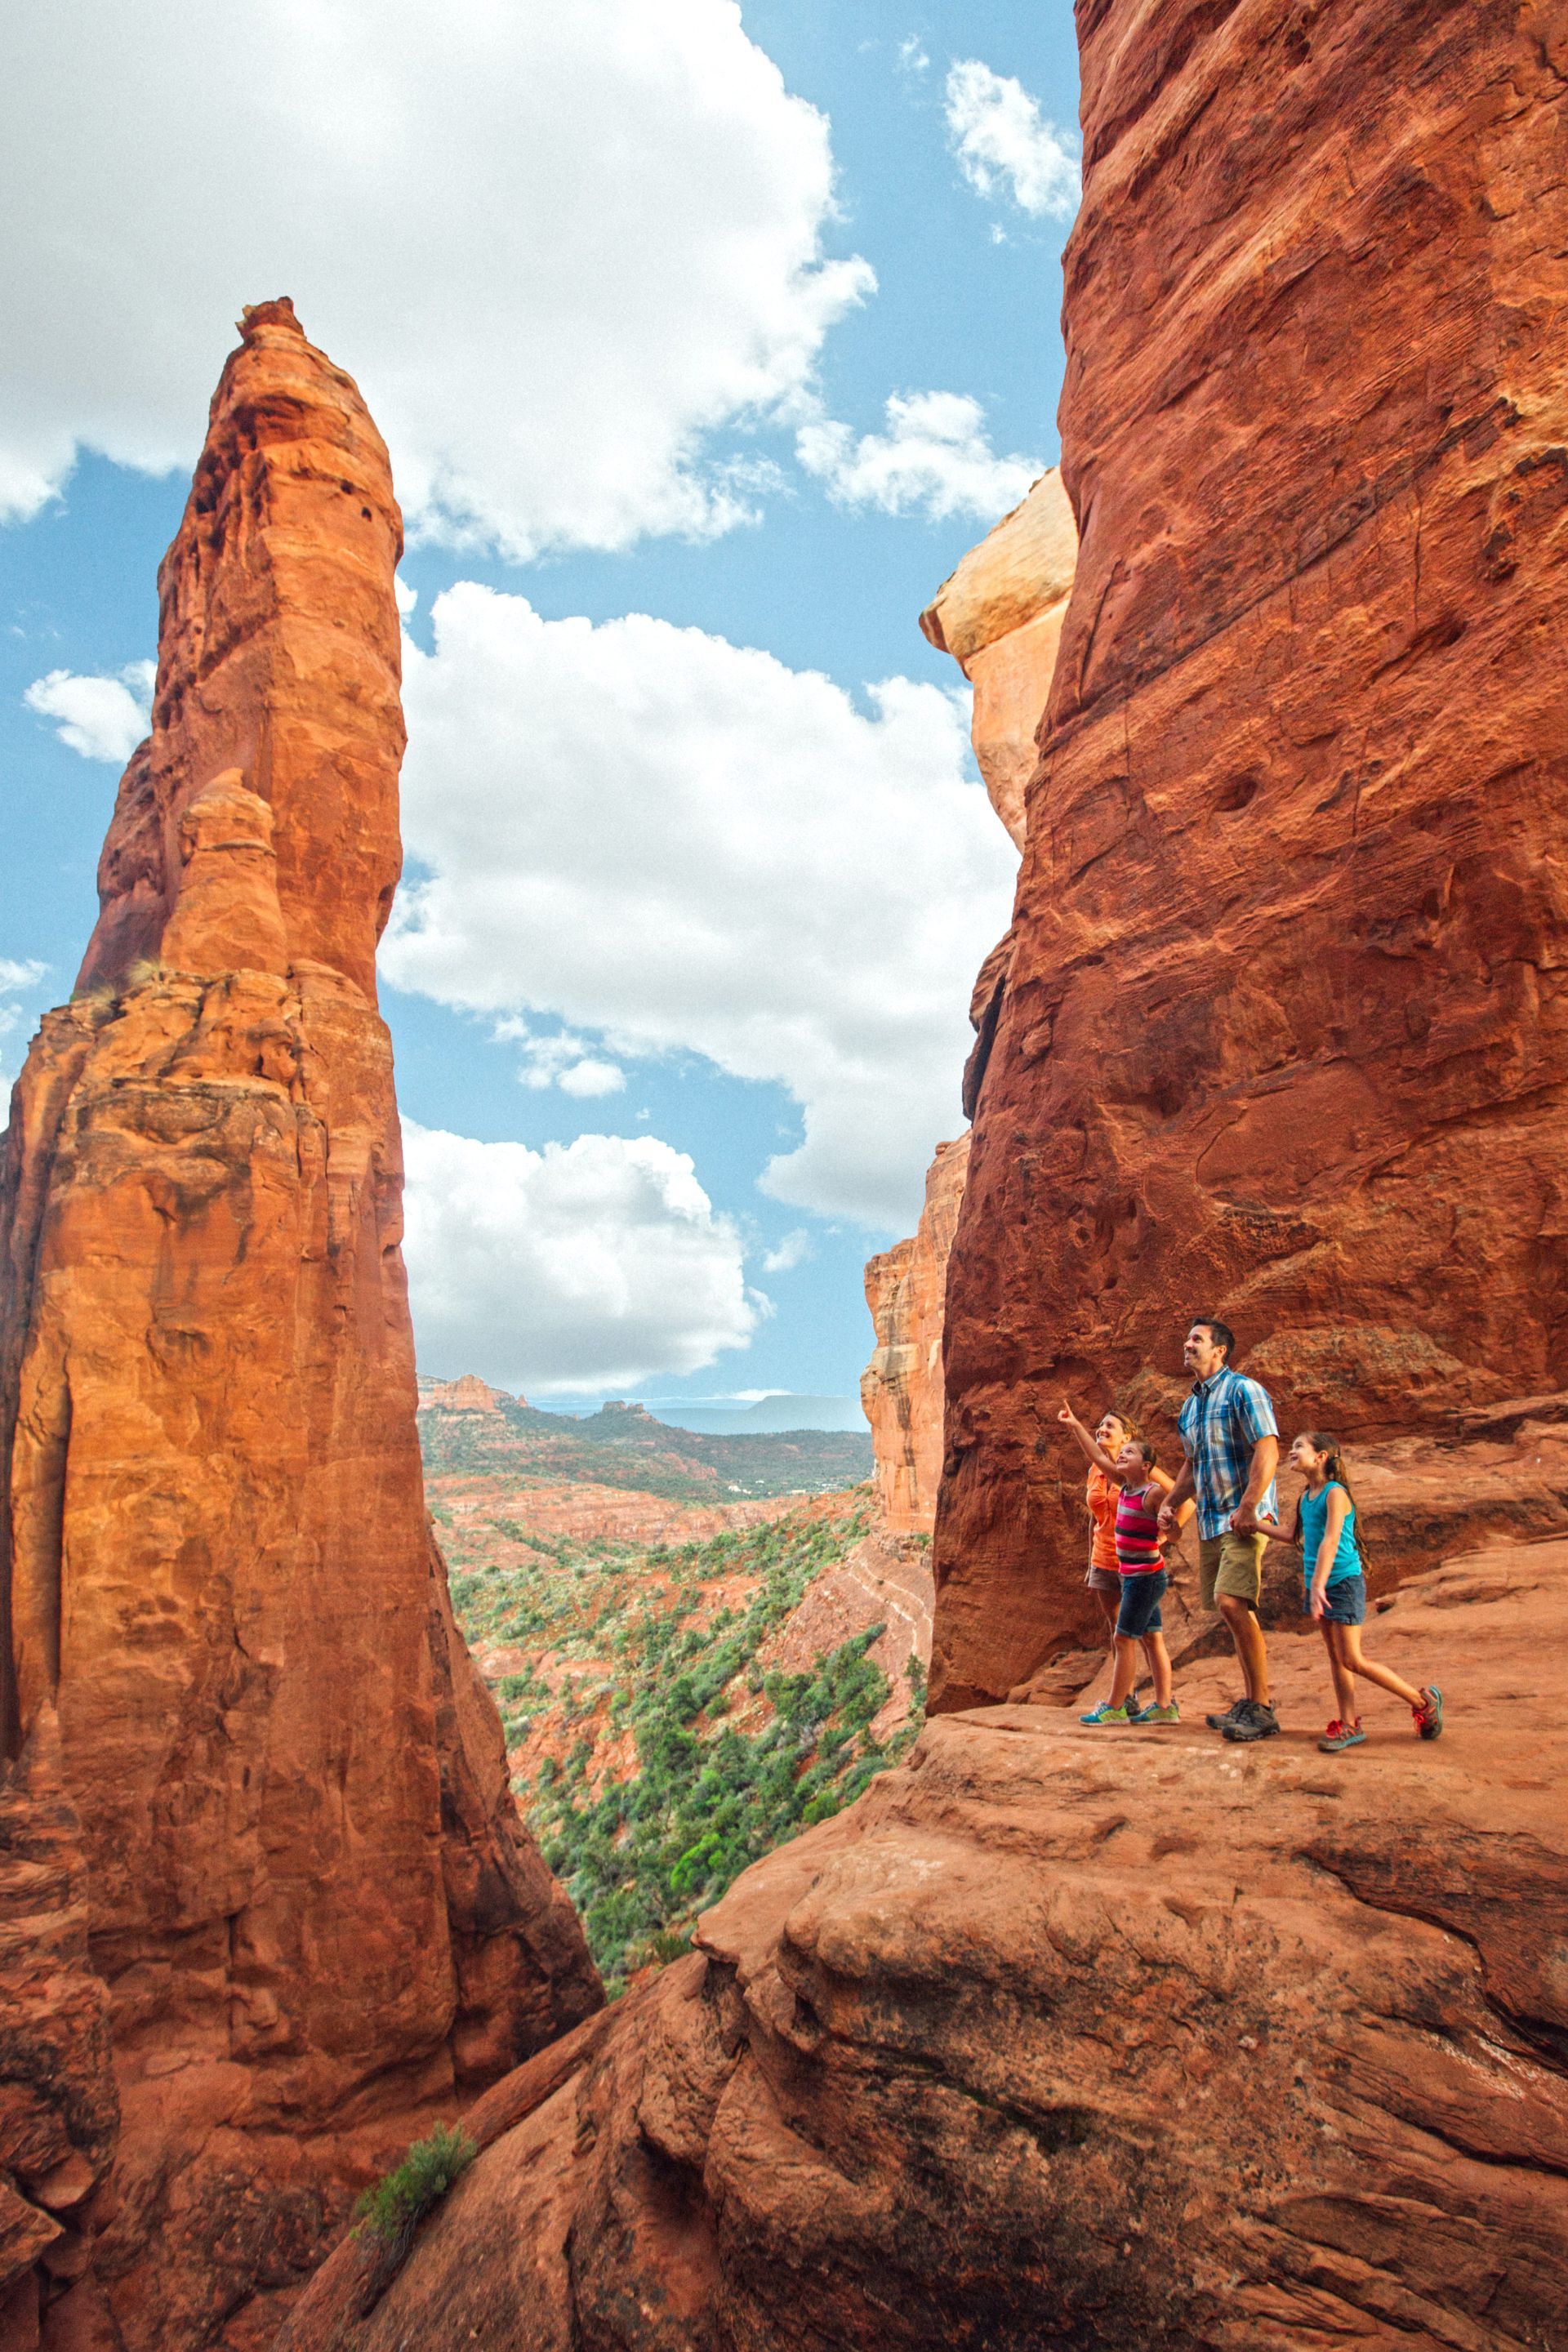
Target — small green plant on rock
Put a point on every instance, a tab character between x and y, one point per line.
391	2212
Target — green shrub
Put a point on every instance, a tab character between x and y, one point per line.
394	2208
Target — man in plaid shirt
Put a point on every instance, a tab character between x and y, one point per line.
1232	1445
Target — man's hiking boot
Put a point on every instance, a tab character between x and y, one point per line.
1154	1714
1256	1723
1233	1714
1340	1735
1429	1714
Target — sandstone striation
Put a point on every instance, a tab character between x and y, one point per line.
1067	2038
1283	1034
901	1387
308	1893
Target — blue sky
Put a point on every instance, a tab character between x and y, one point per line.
661	896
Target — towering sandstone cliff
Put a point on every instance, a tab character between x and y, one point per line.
1061	2037
310	1895
1284	1035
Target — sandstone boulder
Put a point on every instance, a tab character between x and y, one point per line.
1000	615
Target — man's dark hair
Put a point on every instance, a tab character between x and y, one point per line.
1220	1333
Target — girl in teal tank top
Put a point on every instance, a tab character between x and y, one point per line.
1313	1521
1334	1571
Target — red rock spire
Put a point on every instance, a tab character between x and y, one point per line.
278	656
309	1890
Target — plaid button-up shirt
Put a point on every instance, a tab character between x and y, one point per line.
1221	1422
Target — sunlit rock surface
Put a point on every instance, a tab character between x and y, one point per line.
901	1387
1283	1036
308	1894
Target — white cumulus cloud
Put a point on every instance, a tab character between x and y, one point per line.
684	845
561	248
102	717
786	1255
592	1265
1005	146
935	455
562	1061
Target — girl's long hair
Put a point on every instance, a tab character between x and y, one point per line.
1335	1471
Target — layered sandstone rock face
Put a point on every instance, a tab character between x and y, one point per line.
901	1387
1000	615
1284	1035
1076	2038
308	1893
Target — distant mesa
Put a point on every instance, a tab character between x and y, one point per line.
770	1416
469	1394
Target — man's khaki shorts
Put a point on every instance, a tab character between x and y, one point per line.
1231	1564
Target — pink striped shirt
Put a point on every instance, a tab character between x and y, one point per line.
1138	1530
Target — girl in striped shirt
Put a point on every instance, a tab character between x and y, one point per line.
1144	1580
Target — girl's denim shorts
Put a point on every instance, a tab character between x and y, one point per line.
1346	1599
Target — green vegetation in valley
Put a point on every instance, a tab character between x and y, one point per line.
657	1677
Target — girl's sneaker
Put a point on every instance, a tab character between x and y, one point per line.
1341	1735
1429	1714
1172	1714
1107	1714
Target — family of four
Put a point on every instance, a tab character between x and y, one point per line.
1230	1446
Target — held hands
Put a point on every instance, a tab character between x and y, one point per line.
1166	1520
1248	1520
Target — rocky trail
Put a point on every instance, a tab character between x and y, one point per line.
1070	2037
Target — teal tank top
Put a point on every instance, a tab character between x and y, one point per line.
1314	1519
